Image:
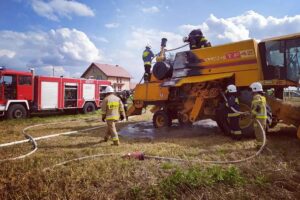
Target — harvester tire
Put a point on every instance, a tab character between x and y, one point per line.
161	119
184	121
16	111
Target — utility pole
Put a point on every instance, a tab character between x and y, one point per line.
53	71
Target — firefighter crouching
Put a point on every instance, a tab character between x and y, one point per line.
259	111
112	111
197	40
233	102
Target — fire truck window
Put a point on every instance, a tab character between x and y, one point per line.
25	80
70	96
9	82
102	92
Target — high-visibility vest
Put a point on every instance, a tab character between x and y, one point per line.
112	107
259	106
147	56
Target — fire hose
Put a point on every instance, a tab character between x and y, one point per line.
171	159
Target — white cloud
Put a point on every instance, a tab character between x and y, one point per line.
100	39
248	25
152	9
58	70
112	25
54	9
7	53
70	48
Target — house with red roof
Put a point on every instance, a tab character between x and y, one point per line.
116	74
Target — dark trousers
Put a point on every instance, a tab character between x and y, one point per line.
235	129
147	74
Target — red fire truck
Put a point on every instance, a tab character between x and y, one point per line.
23	93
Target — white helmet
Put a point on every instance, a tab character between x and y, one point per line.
109	89
256	87
231	88
148	46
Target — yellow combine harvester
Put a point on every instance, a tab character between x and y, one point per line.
189	88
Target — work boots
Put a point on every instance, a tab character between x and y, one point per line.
115	143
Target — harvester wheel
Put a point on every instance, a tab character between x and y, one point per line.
161	119
183	120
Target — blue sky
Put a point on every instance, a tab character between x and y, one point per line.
68	35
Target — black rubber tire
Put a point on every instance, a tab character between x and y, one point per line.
245	98
17	111
161	119
184	123
89	107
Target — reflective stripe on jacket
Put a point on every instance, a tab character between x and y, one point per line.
259	106
147	56
112	107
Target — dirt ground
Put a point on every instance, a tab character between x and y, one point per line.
275	174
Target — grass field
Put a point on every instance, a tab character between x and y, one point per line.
273	175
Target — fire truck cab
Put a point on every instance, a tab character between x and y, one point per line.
23	93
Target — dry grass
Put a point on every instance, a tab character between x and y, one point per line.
273	175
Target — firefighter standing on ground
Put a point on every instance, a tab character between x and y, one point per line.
112	111
197	40
147	58
259	111
233	102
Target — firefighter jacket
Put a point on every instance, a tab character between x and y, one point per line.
259	106
233	101
148	56
112	107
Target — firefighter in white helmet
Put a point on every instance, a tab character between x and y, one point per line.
259	111
233	117
112	110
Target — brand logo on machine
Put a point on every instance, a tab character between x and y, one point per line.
247	53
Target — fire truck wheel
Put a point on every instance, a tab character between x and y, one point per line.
89	107
161	119
16	111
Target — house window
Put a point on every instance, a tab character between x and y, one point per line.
119	88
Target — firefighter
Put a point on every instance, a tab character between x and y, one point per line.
233	117
197	40
112	111
147	58
259	111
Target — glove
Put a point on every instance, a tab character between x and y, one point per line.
103	118
122	117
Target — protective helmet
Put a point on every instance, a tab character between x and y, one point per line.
109	89
231	88
148	46
256	87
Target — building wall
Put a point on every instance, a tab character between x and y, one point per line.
124	81
96	73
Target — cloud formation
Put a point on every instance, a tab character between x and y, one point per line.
152	9
54	9
112	25
61	47
248	25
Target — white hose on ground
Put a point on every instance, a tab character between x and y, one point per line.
33	140
171	159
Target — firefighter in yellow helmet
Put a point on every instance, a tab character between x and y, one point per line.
112	111
259	111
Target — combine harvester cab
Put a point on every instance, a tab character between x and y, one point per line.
189	89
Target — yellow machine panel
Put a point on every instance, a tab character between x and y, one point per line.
151	92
